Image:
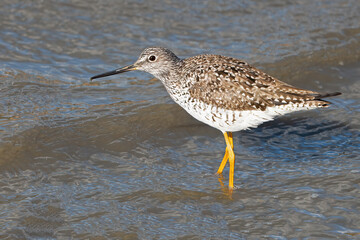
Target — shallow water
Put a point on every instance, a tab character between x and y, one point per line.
117	159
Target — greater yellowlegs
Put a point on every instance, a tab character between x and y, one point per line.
223	92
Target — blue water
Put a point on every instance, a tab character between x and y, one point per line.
117	159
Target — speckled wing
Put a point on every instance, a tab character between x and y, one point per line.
232	84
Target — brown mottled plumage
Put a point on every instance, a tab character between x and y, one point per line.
224	92
233	84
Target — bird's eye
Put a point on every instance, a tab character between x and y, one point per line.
152	58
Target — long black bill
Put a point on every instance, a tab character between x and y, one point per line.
117	71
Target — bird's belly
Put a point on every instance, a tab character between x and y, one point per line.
233	120
222	119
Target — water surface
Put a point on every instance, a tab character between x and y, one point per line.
117	159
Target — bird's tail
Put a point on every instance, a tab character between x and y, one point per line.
318	98
325	95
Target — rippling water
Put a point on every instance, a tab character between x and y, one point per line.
118	159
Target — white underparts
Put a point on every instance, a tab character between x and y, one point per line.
232	121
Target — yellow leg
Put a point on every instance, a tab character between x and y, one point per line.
223	163
231	158
226	156
229	154
231	140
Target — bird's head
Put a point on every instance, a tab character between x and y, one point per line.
154	60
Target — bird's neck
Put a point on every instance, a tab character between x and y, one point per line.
173	81
171	78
